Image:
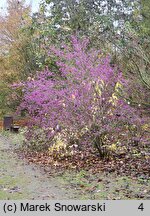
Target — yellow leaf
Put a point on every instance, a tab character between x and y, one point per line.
113	147
145	126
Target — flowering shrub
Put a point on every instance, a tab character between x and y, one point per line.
81	102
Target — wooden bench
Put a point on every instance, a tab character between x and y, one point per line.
14	128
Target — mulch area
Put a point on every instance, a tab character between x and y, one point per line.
122	164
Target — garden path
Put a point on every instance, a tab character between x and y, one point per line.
21	180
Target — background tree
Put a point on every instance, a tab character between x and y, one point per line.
16	55
118	27
135	56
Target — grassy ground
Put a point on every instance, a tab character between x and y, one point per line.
22	180
107	186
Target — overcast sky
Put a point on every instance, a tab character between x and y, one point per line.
34	3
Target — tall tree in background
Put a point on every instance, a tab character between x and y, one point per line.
120	27
16	58
16	52
102	22
135	56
